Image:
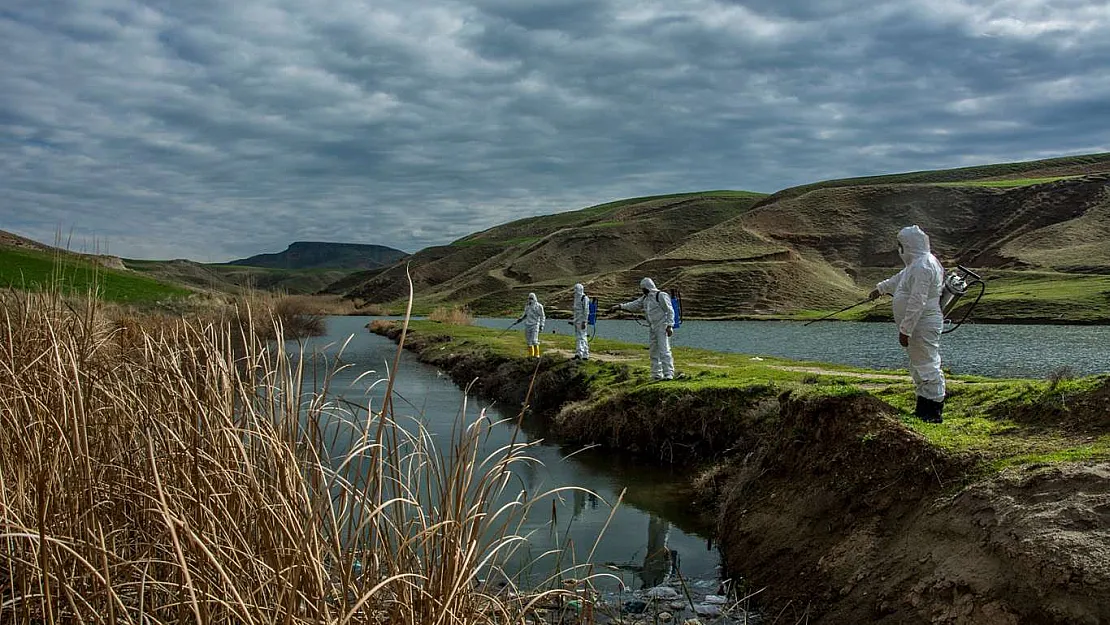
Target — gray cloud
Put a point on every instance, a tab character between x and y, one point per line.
213	130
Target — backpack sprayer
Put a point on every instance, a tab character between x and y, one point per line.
591	317
956	285
676	304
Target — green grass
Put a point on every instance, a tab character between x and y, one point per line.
493	241
978	413
961	174
34	270
976	421
1047	296
1014	296
503	234
704	368
1003	184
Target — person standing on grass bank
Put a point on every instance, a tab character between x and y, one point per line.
657	307
533	319
916	290
581	319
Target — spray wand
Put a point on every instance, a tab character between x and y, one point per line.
502	333
839	311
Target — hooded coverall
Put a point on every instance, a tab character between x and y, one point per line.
916	290
657	308
581	319
533	319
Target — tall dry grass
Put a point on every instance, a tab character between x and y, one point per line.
167	470
455	315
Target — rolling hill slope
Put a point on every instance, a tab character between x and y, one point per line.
27	264
809	248
493	270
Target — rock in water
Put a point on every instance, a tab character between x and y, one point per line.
716	599
707	609
662	593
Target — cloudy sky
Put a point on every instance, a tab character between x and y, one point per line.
215	129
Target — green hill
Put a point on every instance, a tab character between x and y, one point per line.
492	271
801	250
28	263
237	278
27	268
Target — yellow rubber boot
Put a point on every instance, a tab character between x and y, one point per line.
537	351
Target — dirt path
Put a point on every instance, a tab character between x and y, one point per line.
844	374
593	355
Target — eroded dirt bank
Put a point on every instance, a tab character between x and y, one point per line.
829	503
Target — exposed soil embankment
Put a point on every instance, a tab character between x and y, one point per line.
828	504
848	516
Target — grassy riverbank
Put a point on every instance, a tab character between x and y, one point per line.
830	496
983	416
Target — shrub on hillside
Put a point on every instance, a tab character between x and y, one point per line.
456	315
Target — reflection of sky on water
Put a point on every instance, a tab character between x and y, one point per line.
635	542
979	349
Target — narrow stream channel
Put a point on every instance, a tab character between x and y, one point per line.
648	533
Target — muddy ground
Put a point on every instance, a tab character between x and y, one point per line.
832	507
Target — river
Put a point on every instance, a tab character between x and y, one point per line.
652	519
994	350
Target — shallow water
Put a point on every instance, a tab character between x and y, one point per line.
651	519
977	349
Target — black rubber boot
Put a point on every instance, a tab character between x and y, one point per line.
921	411
938	410
928	410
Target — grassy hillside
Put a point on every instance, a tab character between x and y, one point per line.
492	271
1050	169
1040	228
38	270
236	278
28	263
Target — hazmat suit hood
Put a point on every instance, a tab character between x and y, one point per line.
532	298
915	244
579	290
649	284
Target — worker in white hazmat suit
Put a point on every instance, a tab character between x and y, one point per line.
657	307
916	290
581	310
533	319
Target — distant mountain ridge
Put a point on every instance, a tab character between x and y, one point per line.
303	268
325	255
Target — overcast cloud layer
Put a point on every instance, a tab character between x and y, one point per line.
215	129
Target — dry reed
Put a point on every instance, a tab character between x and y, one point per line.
158	470
456	315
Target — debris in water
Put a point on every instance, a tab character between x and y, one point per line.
662	593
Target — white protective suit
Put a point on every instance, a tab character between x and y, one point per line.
581	319
916	290
533	320
657	308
